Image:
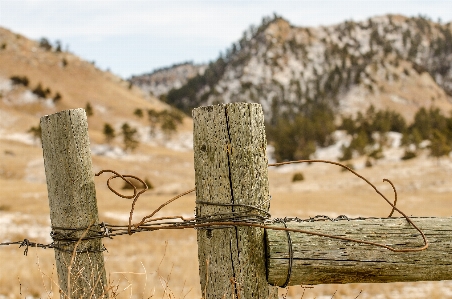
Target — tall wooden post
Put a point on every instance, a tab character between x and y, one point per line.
72	200
231	168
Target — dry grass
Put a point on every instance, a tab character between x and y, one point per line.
163	264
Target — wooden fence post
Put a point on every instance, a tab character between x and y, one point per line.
320	260
231	168
72	200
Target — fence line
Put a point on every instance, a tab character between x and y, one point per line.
236	246
147	224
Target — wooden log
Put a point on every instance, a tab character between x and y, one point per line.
321	260
231	168
72	200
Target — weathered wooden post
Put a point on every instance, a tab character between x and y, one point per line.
231	169
72	200
320	260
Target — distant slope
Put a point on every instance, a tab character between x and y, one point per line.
388	61
161	81
26	64
77	81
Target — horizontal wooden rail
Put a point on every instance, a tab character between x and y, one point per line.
321	260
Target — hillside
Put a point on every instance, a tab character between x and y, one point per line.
388	61
37	78
161	81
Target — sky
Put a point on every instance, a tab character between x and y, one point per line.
132	37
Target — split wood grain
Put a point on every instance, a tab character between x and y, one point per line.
231	168
320	260
72	201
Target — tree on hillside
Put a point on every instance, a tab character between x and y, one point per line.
109	132
45	44
89	109
57	97
36	132
138	112
20	80
40	91
129	135
58	46
439	146
153	118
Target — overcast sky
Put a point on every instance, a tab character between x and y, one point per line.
137	36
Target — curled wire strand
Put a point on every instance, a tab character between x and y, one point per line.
135	193
379	193
224	220
395	196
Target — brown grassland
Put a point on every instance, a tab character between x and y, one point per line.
163	264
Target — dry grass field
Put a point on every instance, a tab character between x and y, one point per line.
163	264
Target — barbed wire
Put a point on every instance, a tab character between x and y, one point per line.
251	216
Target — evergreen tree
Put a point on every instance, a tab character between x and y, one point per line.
89	109
129	135
153	117
109	132
36	132
138	113
57	97
439	146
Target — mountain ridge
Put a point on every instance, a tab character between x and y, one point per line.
388	61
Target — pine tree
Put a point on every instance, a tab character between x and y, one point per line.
138	113
89	109
109	132
129	135
439	146
36	132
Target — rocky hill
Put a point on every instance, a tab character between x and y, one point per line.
387	61
161	81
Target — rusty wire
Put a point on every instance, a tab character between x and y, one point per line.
252	216
393	205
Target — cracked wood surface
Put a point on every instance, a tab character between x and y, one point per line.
231	168
72	201
320	260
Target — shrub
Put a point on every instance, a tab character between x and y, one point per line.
109	132
148	183
138	112
137	184
129	137
45	44
439	146
134	182
39	91
347	153
298	176
409	155
89	109
377	154
20	80
36	132
58	46
57	97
